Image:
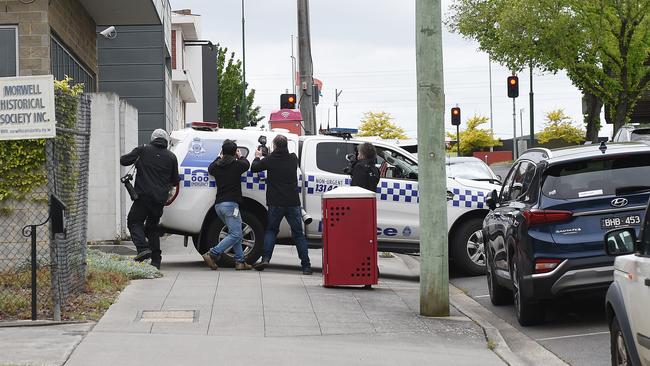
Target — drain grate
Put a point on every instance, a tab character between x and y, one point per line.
169	316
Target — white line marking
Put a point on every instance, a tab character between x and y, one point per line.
481	296
571	336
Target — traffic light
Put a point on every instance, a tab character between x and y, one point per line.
288	101
513	86
455	116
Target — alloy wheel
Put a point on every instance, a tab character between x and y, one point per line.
621	352
248	239
476	248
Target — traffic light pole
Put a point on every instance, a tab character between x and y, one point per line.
532	110
515	153
434	265
458	138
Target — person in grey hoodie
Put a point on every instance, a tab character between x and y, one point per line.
227	170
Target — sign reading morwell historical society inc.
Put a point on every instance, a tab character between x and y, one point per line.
27	108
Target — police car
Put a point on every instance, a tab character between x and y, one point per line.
189	211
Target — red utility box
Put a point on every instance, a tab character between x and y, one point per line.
349	237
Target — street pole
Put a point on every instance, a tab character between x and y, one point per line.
337	94
434	266
491	118
521	124
458	139
306	67
243	41
293	67
532	110
514	129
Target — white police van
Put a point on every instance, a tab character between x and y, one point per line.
190	212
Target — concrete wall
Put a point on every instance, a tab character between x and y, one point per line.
114	131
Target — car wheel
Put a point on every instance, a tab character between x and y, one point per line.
467	247
499	295
620	355
252	242
527	313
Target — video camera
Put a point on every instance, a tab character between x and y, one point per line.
126	180
263	148
352	159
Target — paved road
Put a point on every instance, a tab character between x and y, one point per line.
575	329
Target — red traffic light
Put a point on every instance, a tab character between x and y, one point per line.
513	86
455	116
288	101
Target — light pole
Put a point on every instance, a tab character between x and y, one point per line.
532	113
243	41
337	93
491	117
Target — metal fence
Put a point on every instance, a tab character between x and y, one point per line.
61	259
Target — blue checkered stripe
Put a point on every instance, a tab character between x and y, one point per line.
398	192
254	181
468	198
191	177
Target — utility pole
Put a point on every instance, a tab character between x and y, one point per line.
337	94
306	69
532	110
434	266
521	124
244	110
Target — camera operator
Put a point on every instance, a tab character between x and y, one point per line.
364	172
282	199
157	173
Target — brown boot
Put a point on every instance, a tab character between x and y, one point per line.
207	257
243	266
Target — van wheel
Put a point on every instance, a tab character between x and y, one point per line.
467	247
620	354
252	243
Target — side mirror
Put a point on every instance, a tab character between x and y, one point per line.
450	196
620	242
492	199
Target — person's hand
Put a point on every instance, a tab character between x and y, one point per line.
258	153
238	154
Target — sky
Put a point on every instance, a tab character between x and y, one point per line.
367	49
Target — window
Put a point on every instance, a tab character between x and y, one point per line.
64	63
507	185
330	156
597	177
8	50
645	235
394	165
640	135
521	184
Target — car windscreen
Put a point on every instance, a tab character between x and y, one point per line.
640	135
469	170
597	177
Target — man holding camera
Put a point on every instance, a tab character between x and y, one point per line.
157	173
282	200
364	172
227	170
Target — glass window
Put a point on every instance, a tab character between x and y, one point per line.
521	183
64	63
330	156
394	165
645	235
640	135
8	51
507	185
474	170
597	177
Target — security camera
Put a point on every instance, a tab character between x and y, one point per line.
109	33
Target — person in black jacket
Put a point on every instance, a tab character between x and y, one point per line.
282	200
227	170
364	172
157	173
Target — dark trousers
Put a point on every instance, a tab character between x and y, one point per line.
143	225
294	218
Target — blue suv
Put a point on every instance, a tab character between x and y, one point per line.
544	232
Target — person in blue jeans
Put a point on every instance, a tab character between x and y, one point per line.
282	200
227	170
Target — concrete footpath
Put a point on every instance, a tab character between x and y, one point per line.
277	317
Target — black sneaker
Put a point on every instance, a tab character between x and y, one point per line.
307	271
262	264
156	263
142	255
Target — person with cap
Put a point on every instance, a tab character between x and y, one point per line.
282	200
157	173
227	170
364	172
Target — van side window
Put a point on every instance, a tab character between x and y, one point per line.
330	156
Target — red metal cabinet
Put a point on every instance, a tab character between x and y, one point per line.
349	237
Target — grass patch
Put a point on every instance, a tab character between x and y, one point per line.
106	277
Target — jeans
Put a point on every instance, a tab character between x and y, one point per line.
229	213
294	218
143	225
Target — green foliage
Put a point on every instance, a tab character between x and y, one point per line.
23	161
560	127
473	138
602	45
229	75
379	124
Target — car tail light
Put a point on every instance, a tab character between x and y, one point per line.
545	265
173	193
536	217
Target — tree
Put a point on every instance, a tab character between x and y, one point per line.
560	127
474	138
229	79
602	45
379	124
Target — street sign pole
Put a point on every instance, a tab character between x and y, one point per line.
434	265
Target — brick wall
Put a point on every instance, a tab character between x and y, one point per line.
72	24
33	34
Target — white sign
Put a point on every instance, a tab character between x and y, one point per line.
27	108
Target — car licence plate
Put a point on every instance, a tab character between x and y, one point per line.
618	221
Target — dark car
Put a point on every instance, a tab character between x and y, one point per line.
633	132
544	232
